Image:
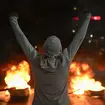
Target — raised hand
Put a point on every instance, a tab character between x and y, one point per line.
13	16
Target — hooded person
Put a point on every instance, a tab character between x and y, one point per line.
50	69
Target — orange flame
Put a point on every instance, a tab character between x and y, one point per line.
18	76
82	79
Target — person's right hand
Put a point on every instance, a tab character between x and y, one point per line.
13	16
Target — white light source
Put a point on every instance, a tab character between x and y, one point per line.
73	31
91	35
75	8
89	41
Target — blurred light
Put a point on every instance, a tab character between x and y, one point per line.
75	8
89	41
75	18
96	18
102	49
91	35
100	53
92	18
36	47
73	31
102	37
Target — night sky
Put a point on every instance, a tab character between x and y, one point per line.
39	19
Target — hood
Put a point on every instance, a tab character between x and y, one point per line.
52	46
52	49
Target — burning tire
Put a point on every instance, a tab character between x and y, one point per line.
19	94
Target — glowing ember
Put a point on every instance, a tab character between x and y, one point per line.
18	76
82	79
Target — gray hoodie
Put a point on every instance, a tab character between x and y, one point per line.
51	69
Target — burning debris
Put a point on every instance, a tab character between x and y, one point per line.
82	79
19	94
95	93
18	76
81	83
16	79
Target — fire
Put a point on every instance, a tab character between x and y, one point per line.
82	79
18	76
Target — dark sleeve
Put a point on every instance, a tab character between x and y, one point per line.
79	37
27	48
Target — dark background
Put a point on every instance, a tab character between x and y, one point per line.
39	19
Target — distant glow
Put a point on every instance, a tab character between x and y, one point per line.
89	41
91	35
100	53
73	31
102	37
102	49
36	47
75	18
75	8
96	18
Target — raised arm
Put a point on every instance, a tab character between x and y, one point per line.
27	48
79	37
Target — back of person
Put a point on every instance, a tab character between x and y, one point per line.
51	83
51	69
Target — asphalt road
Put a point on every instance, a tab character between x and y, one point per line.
26	102
75	100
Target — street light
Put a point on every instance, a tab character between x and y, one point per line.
91	35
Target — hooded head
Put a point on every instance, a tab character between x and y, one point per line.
52	46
